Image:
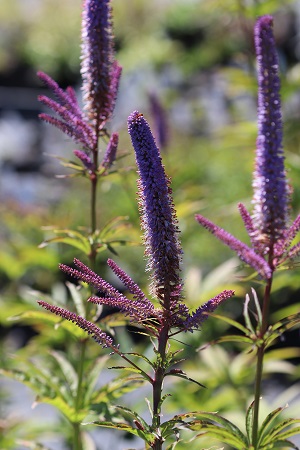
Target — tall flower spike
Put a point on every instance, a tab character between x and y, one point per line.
271	191
99	71
158	217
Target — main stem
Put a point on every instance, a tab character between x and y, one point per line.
158	385
259	362
92	262
161	368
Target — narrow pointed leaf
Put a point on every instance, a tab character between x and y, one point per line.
214	417
146	436
92	377
249	421
77	299
246	314
180	374
117	388
219	433
232	322
68	371
40	317
267	423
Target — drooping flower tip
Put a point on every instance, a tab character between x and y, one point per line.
96	333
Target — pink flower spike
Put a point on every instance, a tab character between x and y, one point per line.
244	252
95	332
201	313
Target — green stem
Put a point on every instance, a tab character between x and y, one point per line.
77	443
92	261
160	369
259	361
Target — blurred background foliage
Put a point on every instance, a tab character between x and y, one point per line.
197	57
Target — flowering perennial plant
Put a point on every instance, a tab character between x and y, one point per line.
268	226
163	313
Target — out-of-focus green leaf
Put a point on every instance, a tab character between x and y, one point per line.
70	375
116	388
40	317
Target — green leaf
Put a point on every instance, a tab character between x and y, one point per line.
71	237
38	317
77	299
134	415
267	423
232	338
181	374
280	327
146	436
249	421
91	378
280	444
68	411
223	435
233	323
45	388
223	423
116	388
246	314
258	308
68	371
278	433
128	368
140	356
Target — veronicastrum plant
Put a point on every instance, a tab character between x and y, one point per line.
163	313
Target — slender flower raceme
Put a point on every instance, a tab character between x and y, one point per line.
101	75
100	72
267	226
158	217
271	191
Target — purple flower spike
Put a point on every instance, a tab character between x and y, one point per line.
111	151
201	313
99	72
271	191
84	158
96	333
133	288
244	252
158	220
71	121
160	121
